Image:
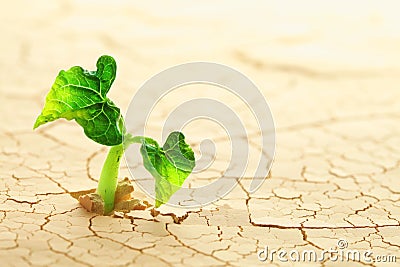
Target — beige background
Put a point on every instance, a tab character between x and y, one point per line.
329	70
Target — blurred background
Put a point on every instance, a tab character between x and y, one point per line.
330	71
312	59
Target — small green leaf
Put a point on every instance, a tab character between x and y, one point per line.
170	165
81	95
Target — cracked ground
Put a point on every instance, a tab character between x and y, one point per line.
329	71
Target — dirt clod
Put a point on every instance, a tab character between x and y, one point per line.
124	190
92	202
124	202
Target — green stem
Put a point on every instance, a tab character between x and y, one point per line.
109	174
109	177
129	139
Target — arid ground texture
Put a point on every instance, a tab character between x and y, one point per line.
330	71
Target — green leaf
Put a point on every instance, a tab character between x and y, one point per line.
170	165
80	95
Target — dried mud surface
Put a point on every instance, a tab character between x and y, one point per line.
330	73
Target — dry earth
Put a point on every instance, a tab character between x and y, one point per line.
329	70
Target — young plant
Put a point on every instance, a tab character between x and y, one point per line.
81	95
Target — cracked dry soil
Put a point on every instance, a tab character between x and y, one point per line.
330	72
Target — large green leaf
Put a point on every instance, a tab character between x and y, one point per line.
81	95
170	165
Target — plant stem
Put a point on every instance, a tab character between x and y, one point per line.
109	177
129	139
109	174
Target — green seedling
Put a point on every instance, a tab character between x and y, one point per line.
81	95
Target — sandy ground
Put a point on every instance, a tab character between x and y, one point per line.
330	72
